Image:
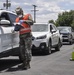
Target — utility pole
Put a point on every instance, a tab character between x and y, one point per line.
7	4
34	13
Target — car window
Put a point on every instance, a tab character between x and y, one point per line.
40	28
4	16
8	16
64	30
52	27
67	29
12	17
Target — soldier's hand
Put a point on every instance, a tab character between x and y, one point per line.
21	21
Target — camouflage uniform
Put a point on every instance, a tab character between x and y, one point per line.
25	48
25	36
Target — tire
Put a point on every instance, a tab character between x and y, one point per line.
70	42
57	48
48	51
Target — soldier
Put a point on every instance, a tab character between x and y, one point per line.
25	36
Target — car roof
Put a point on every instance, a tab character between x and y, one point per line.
63	27
43	23
1	11
40	23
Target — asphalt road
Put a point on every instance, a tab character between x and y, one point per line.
57	63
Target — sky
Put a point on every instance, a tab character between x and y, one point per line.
46	9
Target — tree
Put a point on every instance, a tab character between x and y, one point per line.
65	19
51	21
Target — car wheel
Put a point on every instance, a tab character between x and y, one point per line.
48	51
57	48
70	42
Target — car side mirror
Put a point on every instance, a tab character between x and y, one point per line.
4	22
53	30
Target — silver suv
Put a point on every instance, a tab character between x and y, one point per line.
8	41
45	37
67	33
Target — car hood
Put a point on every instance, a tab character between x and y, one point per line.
36	34
64	32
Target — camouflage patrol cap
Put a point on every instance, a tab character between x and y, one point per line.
19	10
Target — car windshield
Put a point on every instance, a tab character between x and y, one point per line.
64	29
40	28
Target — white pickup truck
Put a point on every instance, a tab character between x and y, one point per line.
9	41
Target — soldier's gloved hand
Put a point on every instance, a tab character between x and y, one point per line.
21	21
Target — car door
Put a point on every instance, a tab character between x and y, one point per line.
5	32
8	39
15	35
54	35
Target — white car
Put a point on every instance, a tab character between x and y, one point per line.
9	41
45	37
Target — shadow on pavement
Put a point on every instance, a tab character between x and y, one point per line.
9	65
42	53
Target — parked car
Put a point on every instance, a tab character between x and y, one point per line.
9	42
45	37
67	33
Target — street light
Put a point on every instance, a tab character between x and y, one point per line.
7	4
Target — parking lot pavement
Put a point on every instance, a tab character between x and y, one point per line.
57	63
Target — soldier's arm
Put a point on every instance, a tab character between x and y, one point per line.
30	20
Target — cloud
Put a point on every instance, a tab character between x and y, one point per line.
72	2
44	18
47	9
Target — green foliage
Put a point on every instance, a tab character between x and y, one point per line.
65	19
51	21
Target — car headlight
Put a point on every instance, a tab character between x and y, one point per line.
41	37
